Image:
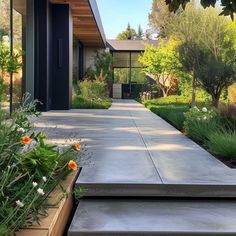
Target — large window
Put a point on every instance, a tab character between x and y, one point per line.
12	89
128	71
121	75
19	21
121	59
138	76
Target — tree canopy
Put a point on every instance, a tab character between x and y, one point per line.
160	17
206	49
131	34
228	6
161	63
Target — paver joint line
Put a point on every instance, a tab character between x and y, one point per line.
150	156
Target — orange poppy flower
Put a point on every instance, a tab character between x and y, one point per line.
72	165
77	147
26	140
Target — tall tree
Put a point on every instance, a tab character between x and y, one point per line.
140	33
128	34
160	17
206	51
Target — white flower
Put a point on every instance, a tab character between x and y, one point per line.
40	191
35	184
204	109
19	203
44	179
204	118
22	130
196	108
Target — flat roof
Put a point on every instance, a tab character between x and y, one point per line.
87	24
129	45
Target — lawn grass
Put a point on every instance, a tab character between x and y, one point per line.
80	102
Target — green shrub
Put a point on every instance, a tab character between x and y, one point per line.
223	143
175	115
170	100
199	123
80	102
93	89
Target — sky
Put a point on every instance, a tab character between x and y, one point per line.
116	14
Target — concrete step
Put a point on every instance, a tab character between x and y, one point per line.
157	190
133	217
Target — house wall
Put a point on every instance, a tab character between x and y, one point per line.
89	56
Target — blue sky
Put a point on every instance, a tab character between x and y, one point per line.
116	14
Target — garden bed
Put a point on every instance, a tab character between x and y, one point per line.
58	215
213	129
80	102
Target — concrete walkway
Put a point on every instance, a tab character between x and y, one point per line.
137	155
136	152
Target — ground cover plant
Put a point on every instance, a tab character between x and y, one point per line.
29	168
214	129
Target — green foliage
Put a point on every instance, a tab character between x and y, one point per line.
175	115
8	63
128	34
215	76
206	50
170	100
199	123
140	34
160	17
102	67
41	160
223	144
171	108
79	102
29	170
228	6
213	129
93	89
161	63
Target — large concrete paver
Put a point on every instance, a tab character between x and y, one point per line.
136	153
154	217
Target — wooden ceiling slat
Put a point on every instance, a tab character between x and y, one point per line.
84	24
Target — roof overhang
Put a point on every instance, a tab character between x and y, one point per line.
129	45
87	24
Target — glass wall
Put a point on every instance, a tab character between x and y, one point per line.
121	75
127	68
4	53
11	87
19	26
128	71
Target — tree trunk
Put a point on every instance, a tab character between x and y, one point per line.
215	100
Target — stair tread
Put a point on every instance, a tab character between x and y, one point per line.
154	217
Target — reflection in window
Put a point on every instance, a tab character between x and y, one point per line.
121	59
134	59
138	76
5	52
19	20
121	75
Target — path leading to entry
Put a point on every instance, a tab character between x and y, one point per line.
135	152
137	155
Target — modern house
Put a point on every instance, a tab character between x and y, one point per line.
60	39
